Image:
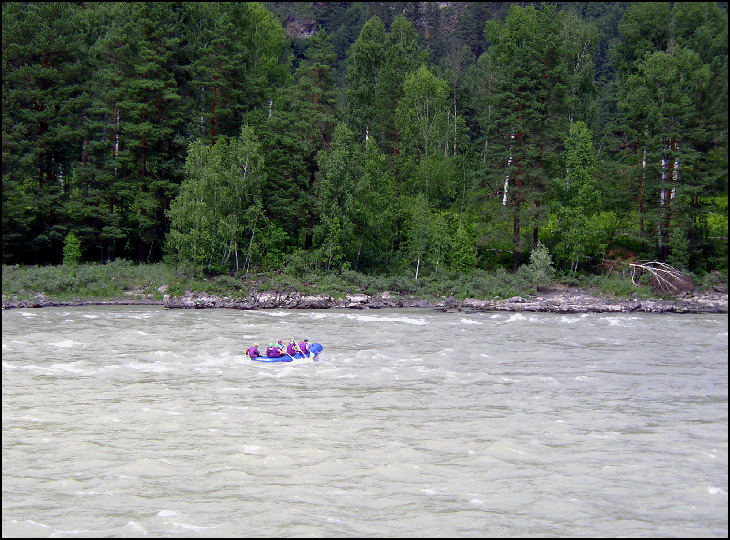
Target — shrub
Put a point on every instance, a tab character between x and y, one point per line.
228	285
714	279
540	271
71	250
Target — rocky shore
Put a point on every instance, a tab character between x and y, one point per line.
562	301
554	300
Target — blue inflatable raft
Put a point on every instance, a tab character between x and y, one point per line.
314	350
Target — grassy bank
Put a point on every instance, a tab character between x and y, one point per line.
123	280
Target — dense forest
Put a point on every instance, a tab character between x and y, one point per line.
374	136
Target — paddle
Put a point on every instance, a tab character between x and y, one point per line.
284	352
300	351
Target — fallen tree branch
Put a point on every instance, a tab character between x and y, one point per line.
663	277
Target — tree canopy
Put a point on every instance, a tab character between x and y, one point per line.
460	135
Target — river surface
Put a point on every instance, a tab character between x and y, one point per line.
137	420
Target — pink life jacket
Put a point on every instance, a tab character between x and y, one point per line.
303	347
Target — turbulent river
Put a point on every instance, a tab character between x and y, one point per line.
137	420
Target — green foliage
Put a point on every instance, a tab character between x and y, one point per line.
224	285
527	111
579	229
421	113
463	254
540	271
71	250
202	134
365	57
618	286
418	230
714	279
270	246
672	67
219	205
479	284
91	281
236	42
679	255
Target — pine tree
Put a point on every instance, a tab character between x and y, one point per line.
300	127
241	59
42	124
402	57
526	112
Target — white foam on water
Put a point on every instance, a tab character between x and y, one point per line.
28	314
91	493
139	316
470	321
377	318
155	368
606	435
229	390
136	528
188	526
66	343
276	373
620	320
171	413
167	513
329	519
31	419
66	367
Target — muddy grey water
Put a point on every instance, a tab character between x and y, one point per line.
136	420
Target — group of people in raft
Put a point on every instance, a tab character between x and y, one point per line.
277	350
